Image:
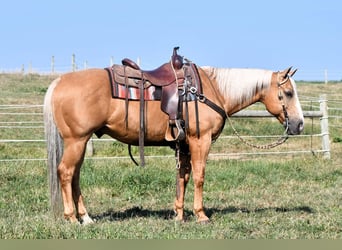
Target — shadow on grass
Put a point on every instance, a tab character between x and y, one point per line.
133	212
167	214
302	209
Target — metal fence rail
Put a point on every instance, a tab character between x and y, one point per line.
36	122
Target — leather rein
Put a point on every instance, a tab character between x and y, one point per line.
225	116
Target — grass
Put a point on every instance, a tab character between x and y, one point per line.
286	197
260	199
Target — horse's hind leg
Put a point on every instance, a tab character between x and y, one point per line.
77	197
68	172
182	179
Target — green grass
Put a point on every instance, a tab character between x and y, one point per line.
258	197
250	199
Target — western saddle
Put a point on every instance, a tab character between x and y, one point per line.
174	78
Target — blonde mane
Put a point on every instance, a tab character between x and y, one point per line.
239	85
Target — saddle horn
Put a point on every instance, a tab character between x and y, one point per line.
176	60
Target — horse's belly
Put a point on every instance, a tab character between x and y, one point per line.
125	126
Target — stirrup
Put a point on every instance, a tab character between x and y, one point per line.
174	131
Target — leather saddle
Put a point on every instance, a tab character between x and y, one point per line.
129	73
172	78
168	76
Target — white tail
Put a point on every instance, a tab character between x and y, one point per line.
54	152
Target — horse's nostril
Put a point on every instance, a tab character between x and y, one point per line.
301	126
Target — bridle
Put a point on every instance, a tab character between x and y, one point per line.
281	99
221	111
285	135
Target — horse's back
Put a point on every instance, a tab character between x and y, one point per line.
85	80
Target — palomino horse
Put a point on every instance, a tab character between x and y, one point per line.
80	103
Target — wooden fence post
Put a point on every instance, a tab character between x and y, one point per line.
324	126
90	147
326	76
73	62
53	65
30	68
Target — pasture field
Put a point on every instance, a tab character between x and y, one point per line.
286	196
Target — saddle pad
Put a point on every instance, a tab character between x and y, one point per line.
151	93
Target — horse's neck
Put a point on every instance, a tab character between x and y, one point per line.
241	87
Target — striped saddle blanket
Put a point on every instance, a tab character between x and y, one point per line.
151	92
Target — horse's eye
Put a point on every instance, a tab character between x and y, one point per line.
288	93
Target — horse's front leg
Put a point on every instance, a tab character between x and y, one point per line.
199	149
182	179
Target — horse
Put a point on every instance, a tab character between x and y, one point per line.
78	104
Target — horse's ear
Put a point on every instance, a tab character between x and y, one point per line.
292	72
287	71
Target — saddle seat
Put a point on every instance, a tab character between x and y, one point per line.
161	76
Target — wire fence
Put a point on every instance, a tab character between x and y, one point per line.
22	125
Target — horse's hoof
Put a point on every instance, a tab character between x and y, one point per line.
179	219
203	221
85	220
71	219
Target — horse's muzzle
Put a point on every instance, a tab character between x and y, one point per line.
295	127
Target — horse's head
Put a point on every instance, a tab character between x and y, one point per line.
281	100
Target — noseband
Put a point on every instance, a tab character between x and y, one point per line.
282	102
